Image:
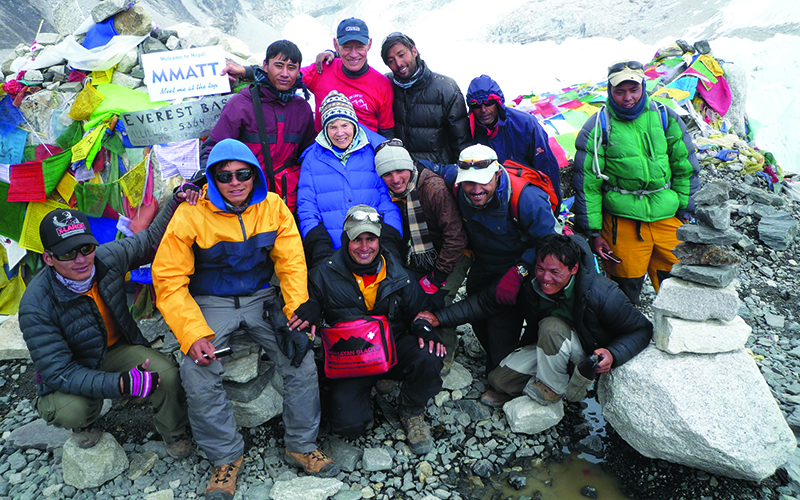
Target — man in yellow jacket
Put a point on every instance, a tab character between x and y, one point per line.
212	276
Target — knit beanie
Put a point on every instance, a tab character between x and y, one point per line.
336	106
391	158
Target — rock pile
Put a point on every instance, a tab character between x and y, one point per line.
696	397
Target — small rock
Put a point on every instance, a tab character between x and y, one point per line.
589	492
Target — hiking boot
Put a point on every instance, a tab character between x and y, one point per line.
86	437
385	386
418	434
540	393
179	446
315	463
222	484
495	399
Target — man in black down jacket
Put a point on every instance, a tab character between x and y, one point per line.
359	280
579	313
430	115
82	339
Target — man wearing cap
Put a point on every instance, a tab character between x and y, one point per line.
368	90
633	177
512	134
287	121
213	276
434	239
503	247
362	280
82	338
429	112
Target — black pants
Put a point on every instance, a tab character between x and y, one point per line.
350	401
499	334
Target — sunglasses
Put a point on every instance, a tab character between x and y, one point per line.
73	254
226	176
475	104
392	142
634	65
362	216
399	37
476	164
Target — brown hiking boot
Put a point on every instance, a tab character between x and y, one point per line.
418	434
315	463
540	393
86	437
179	446
495	399
222	484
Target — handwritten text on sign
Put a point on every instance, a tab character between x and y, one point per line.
178	122
185	73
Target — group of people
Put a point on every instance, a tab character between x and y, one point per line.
378	204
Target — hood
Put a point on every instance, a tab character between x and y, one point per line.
484	88
231	149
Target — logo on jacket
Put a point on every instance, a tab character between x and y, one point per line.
69	226
358	101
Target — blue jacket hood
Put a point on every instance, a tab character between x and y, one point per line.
227	150
483	88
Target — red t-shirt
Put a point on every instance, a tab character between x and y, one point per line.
371	94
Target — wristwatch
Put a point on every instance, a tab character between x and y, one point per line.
522	270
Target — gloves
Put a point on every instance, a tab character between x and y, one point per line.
310	311
423	330
508	288
294	344
588	367
138	382
433	282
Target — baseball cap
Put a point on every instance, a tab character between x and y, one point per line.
352	29
625	71
477	164
362	219
64	229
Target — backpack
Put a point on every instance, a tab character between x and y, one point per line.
605	124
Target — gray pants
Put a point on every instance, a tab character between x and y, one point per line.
210	411
547	360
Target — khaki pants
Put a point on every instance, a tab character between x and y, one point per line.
73	411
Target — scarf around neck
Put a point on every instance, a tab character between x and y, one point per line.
421	252
628	114
404	84
81	287
262	80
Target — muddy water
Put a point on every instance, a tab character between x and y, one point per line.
564	480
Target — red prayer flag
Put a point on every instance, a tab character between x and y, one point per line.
27	182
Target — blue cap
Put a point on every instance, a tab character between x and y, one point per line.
352	29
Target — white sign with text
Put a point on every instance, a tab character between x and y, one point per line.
177	74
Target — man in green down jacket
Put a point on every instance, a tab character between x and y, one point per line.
632	177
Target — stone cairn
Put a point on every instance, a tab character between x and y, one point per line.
697	397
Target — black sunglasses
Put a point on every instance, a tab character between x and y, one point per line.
634	65
476	164
392	142
226	176
475	104
73	254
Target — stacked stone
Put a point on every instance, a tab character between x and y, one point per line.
698	310
697	397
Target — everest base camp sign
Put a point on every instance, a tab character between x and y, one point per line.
176	74
178	122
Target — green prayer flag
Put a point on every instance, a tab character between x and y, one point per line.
71	136
53	169
12	215
92	198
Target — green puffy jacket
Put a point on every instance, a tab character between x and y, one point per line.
628	176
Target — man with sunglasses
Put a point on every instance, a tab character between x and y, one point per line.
503	245
434	241
512	134
213	275
429	112
82	338
635	170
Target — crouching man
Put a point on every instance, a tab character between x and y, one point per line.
212	276
82	338
585	321
361	280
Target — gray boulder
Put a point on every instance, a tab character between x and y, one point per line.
737	80
107	8
257	411
716	216
716	276
12	345
526	416
683	299
64	18
703	234
713	412
777	230
675	335
39	435
458	378
135	21
375	459
305	488
94	466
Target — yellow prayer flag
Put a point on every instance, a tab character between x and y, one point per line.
677	94
30	226
132	183
66	187
11	294
81	150
588	109
102	77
